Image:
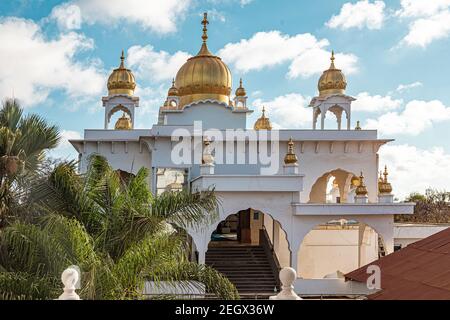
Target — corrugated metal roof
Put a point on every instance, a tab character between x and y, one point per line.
419	271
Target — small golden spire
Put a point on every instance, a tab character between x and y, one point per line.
122	59
205	22
263	122
332	60
384	187
291	157
240	91
123	123
361	190
358	125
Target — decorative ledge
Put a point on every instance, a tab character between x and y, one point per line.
339	209
249	183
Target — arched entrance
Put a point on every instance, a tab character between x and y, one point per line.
249	247
339	246
336	186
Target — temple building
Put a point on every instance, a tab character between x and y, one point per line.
310	199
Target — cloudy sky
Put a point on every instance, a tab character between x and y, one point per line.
56	56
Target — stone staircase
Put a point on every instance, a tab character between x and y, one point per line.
247	267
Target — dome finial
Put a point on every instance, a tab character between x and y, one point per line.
205	22
264	112
122	59
332	60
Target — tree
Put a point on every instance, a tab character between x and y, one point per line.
116	231
23	142
432	207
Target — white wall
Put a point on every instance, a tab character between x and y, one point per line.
325	251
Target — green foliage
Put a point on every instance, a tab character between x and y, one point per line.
432	207
116	231
23	142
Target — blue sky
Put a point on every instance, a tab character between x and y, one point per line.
58	56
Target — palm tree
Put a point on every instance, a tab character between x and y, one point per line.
116	231
23	142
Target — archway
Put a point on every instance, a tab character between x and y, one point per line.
114	114
339	246
249	248
336	186
252	227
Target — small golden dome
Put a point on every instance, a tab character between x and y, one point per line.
204	76
173	91
355	181
361	189
263	123
332	80
123	123
121	80
240	92
384	187
290	157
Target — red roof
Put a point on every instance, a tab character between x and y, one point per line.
421	271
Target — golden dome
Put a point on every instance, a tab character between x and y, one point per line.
121	80
384	187
173	91
290	157
204	76
123	123
240	92
361	189
332	80
263	123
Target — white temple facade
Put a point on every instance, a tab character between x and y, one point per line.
315	195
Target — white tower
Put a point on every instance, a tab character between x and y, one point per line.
121	85
332	97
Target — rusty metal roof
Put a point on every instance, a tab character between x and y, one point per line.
421	271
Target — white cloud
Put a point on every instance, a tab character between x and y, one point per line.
317	60
405	87
155	65
359	15
266	49
431	21
420	8
67	16
423	31
65	150
160	16
287	111
414	170
245	2
414	119
376	103
31	66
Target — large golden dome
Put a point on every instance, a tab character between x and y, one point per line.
204	76
332	81
121	80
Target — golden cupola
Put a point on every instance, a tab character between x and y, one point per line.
121	80
384	187
240	91
263	122
361	189
204	76
332	80
173	91
123	123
